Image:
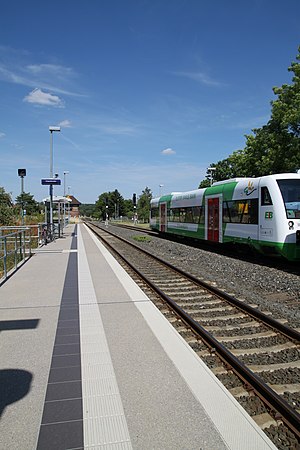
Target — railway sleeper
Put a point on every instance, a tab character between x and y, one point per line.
221	318
192	301
215	301
180	283
282	388
178	293
252	351
242	337
272	367
200	301
193	293
264	420
206	310
233	327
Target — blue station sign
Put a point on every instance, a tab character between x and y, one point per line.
49	181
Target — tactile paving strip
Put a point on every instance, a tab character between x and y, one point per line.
104	423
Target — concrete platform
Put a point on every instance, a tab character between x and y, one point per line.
87	361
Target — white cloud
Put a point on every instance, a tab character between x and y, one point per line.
50	70
118	129
115	126
168	151
65	124
2	135
67	139
38	97
16	67
16	76
200	77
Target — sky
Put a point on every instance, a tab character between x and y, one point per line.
147	93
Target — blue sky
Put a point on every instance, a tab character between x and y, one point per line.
146	92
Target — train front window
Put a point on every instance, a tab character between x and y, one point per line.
290	191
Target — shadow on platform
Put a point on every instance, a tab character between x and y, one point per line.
14	385
23	324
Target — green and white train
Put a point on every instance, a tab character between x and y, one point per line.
261	212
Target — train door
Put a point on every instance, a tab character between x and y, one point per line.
163	217
213	219
266	215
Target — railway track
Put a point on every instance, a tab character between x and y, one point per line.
244	253
256	357
136	228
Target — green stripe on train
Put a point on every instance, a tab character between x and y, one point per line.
226	189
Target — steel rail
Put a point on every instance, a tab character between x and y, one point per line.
135	228
223	249
269	397
255	313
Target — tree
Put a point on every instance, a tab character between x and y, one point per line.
27	202
128	208
5	197
143	205
111	203
6	208
286	109
275	147
87	209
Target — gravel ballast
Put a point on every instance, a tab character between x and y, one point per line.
271	289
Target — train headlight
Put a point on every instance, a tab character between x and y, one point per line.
291	225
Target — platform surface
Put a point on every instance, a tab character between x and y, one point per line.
87	361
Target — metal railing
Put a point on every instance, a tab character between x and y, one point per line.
17	243
15	248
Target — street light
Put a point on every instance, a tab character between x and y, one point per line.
160	189
22	174
66	172
51	129
69	189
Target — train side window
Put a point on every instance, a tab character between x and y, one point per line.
188	218
192	214
226	213
231	214
250	212
196	214
202	215
265	197
240	211
181	215
154	213
253	211
174	215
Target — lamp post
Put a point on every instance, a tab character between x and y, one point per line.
51	129
22	174
65	193
160	189
69	189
